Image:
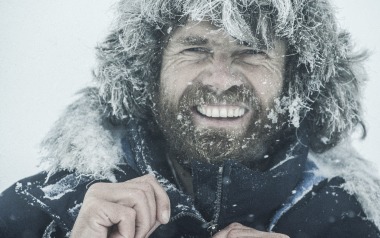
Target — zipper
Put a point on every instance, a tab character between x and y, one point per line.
213	225
184	214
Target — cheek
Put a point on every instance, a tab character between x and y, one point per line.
171	86
169	94
267	80
175	77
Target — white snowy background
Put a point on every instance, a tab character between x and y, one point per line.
47	54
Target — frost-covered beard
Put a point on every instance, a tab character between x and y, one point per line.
214	145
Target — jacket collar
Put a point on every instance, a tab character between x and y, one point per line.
222	193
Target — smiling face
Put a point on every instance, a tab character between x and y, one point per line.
216	94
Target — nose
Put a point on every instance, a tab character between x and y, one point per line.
220	75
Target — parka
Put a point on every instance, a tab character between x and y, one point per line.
314	186
292	196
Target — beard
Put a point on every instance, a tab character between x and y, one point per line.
245	144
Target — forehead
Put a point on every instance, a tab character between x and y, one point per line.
200	32
198	27
205	33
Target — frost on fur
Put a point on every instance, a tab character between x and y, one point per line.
322	84
83	141
360	176
322	80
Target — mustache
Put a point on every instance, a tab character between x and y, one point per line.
198	94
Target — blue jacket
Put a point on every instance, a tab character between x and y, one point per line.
283	196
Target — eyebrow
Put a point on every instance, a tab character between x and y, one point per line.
197	40
192	40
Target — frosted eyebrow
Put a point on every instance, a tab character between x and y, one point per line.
192	40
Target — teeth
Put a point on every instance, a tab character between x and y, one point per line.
215	112
230	113
209	112
236	112
221	111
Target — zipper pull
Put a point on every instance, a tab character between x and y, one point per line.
212	229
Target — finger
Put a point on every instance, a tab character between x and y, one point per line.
125	223
156	195
161	198
224	232
96	217
126	194
132	194
137	199
235	230
151	202
250	232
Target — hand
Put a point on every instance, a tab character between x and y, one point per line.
236	230
132	209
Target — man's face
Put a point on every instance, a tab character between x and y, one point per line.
217	94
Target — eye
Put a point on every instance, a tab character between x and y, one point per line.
253	52
251	56
197	50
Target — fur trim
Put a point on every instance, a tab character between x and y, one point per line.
324	76
83	140
361	177
323	85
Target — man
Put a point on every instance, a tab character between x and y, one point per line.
211	119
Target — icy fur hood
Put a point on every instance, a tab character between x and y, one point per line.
361	178
322	85
86	141
323	77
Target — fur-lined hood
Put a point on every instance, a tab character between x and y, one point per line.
88	142
322	84
323	75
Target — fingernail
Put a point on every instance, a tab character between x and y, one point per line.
165	216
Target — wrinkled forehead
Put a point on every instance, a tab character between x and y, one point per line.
206	32
197	32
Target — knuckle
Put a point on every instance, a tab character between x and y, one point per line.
149	178
132	181
94	188
140	194
147	187
234	225
91	204
90	207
